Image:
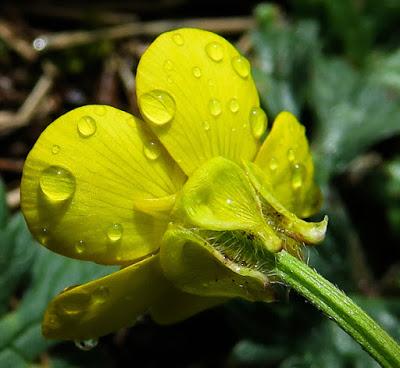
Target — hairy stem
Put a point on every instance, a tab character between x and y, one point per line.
335	304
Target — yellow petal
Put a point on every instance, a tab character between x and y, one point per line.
286	159
107	304
82	177
177	306
197	93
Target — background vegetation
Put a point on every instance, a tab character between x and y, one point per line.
335	64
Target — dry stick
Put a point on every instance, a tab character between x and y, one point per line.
11	121
13	198
128	81
67	39
19	45
7	164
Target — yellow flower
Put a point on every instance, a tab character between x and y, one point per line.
185	202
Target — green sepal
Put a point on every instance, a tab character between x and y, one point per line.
193	264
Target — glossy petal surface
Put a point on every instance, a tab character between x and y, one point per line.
197	94
286	159
107	304
81	180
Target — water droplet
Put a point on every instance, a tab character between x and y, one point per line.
215	51
298	176
168	65
291	155
229	201
273	164
158	106
258	121
55	149
114	232
206	125
100	110
86	126
75	304
40	43
86	345
196	72
170	80
56	183
80	247
234	105
178	39
215	107
101	294
152	150
241	66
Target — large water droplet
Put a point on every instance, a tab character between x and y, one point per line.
55	149
206	125
215	107
234	105
152	150
80	246
215	51
273	164
258	121
101	294
86	126
168	65
86	345
157	106
196	72
298	176
75	304
241	66
57	184
114	232
291	155
178	39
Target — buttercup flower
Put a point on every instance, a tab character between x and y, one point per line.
188	201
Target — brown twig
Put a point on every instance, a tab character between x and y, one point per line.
10	121
68	39
18	44
7	164
13	198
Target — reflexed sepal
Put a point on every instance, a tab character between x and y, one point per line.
279	217
208	263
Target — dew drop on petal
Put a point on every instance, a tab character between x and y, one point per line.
273	164
86	126
101	294
291	155
157	106
258	121
241	66
196	72
234	105
168	65
80	246
214	106
152	150
298	176
114	232
215	51
55	149
57	183
178	39
206	125
86	345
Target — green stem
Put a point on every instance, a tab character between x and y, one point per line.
335	304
